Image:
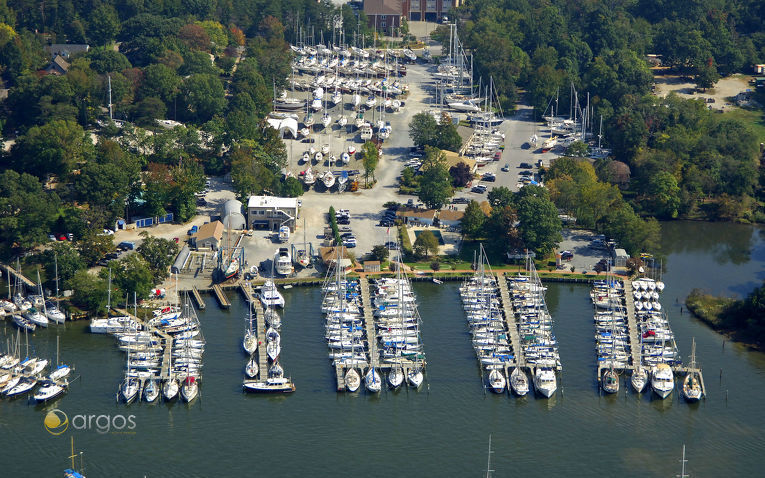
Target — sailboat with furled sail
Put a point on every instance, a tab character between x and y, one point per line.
691	383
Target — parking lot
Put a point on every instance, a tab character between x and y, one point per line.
580	243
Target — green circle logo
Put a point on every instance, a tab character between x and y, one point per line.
56	422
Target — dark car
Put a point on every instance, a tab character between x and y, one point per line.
385	223
489	177
526	145
525	166
460	201
201	202
391	245
347	235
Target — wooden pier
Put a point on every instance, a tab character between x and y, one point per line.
197	298
260	320
635	346
512	328
221	296
246	289
28	284
369	323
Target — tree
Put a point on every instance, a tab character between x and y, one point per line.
423	130
54	148
94	247
249	173
705	75
577	149
104	25
447	137
195	37
500	197
473	220
148	110
461	174
160	81
27	212
292	187
435	184
426	244
539	226
371	158
500	229
159	255
380	252
203	96
68	259
90	292
663	195
197	62
103	61
132	274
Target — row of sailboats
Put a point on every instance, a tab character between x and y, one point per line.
612	337
19	377
398	329
538	343
490	336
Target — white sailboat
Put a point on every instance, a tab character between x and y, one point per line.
395	377
352	380
372	380
415	377
250	341
497	381
189	389
150	391
692	383
519	383
251	369
170	389
328	179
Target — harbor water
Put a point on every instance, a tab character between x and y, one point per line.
441	430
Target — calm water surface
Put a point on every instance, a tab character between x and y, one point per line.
443	429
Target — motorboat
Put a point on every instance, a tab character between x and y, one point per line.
305	158
325	149
497	381
189	389
318	157
345	158
662	380
270	296
170	389
270	385
639	379
112	325
150	391
342	121
352	380
50	390
283	262
610	381
326	119
359	121
519	383
464	106
351	150
365	132
545	381
549	144
372	380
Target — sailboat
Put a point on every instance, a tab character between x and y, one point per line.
395	377
129	389
190	389
372	380
519	383
151	391
51	308
170	389
251	369
302	257
610	380
692	383
497	382
250	341
328	179
62	370
415	377
352	380
639	379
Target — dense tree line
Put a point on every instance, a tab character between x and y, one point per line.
210	65
685	160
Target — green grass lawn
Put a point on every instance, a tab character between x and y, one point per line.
753	117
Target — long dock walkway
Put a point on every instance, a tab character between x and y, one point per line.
197	298
632	325
512	328
260	320
28	284
369	323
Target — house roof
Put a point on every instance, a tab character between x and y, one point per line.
620	253
329	255
67	49
60	62
449	215
452	159
418	213
211	230
382	7
272	202
465	133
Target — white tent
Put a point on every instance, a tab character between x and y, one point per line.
286	125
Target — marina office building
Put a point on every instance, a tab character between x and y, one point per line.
271	212
385	15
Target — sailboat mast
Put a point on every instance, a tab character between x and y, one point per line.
488	461
55	258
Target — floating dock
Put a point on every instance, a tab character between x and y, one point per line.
512	327
197	298
221	296
166	342
260	321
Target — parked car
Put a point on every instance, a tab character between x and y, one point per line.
391	245
497	155
526	173
525	166
385	223
62	237
350	242
410	202
506	167
479	188
566	255
126	245
491	177
193	230
52	237
347	235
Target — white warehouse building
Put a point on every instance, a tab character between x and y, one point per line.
271	212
